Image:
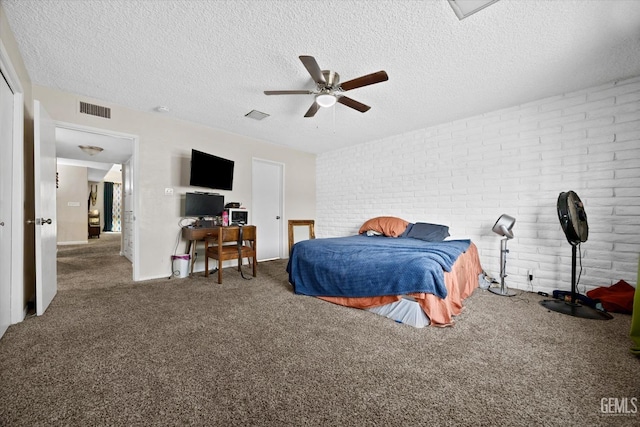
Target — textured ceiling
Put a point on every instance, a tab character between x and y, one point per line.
209	61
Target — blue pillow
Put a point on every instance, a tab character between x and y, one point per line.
427	232
407	230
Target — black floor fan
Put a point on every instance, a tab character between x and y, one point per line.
573	219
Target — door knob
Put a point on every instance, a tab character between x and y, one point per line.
2	224
39	221
278	217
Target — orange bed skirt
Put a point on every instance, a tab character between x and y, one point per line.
461	281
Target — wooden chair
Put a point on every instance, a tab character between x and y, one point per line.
300	223
224	247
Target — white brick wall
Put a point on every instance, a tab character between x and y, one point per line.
516	161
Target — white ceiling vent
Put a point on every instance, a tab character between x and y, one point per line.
95	110
464	8
257	115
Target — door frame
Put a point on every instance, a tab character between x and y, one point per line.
18	306
6	172
134	162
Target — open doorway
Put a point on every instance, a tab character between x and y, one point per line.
94	159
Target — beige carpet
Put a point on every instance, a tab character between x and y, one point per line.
109	351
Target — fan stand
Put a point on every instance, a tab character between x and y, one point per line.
502	290
574	308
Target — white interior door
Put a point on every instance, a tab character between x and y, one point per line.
267	207
6	172
44	167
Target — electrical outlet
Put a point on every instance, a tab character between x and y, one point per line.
530	275
168	191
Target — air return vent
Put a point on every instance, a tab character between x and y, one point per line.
95	110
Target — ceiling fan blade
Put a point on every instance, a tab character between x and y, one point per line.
312	110
369	79
313	68
287	92
344	100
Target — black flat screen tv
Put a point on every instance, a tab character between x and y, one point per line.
203	205
211	171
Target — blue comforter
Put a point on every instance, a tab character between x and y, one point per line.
365	266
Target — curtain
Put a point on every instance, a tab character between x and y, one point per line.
116	208
108	206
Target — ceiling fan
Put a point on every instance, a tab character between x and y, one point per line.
329	90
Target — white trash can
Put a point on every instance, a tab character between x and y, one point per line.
180	265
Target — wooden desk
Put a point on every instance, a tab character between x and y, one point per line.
193	235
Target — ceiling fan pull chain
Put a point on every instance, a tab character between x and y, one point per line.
334	119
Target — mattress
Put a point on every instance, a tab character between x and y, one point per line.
406	310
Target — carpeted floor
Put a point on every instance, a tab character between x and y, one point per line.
109	351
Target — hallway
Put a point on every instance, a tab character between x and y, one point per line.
95	265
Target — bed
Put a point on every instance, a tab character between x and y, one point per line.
410	274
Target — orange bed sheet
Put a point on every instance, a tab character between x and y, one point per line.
461	281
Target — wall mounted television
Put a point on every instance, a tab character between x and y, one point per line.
203	205
211	171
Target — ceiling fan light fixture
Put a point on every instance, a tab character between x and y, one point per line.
91	150
326	100
329	90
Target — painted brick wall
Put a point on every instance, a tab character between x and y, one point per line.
516	161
